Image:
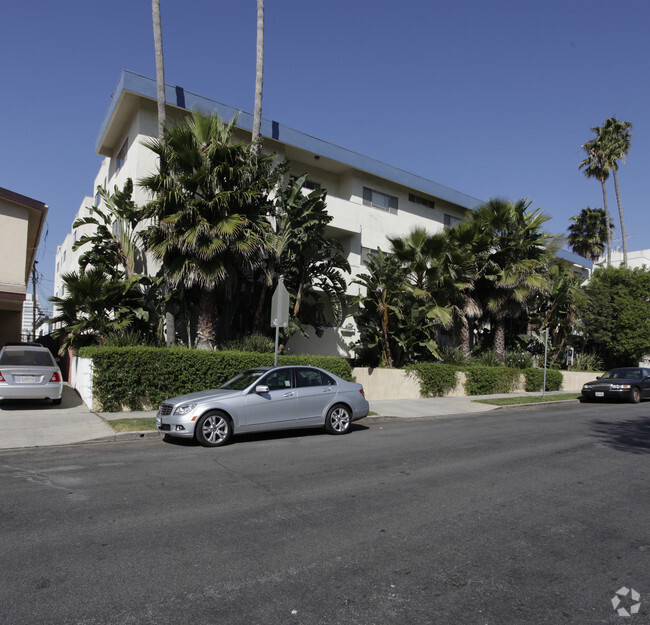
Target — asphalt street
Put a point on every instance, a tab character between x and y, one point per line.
505	517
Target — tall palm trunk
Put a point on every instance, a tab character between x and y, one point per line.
620	215
170	321
607	218
500	339
259	76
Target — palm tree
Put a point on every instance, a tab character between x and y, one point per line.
617	137
209	213
597	165
259	77
310	261
588	233
513	256
170	321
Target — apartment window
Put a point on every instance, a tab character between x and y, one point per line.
114	227
63	255
451	221
418	199
310	185
98	198
367	253
379	200
121	156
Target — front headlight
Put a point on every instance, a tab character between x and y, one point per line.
621	387
586	387
184	408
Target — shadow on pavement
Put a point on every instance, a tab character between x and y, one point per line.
69	399
632	435
263	436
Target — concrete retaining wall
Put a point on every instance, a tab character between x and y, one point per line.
400	384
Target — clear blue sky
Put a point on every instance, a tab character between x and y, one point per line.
493	99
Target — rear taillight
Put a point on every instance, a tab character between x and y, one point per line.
1	378
361	391
56	377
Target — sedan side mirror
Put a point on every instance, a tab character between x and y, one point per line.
261	389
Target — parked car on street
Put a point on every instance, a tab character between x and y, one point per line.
29	371
262	399
624	383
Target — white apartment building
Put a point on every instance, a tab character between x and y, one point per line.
368	200
635	259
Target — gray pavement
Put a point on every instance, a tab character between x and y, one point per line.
40	424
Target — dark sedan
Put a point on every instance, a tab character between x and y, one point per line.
625	383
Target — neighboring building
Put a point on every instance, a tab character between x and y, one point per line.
634	259
41	318
367	199
21	223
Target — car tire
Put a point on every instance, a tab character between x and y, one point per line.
56	402
635	396
338	420
213	429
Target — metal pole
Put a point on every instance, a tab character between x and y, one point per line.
545	357
34	301
277	342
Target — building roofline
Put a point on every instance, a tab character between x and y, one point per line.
131	82
17	198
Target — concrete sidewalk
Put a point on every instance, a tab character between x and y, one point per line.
39	424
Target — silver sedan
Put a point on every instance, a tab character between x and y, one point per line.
262	399
28	371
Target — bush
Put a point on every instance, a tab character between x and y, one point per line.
255	342
588	361
435	379
488	380
144	376
535	379
487	359
519	360
454	356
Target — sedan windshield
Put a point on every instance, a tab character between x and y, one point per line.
621	374
243	380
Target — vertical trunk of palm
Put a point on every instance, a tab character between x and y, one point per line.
384	327
205	327
170	321
259	77
609	230
500	340
465	346
620	215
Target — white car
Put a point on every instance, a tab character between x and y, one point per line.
262	399
28	371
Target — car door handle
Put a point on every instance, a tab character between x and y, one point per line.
289	394
327	390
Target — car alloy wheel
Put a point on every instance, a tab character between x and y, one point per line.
635	397
213	429
338	419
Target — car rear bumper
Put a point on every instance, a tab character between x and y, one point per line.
31	391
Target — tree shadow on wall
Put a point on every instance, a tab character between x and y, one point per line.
632	435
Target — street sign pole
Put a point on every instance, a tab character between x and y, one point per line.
279	313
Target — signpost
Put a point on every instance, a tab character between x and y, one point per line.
279	313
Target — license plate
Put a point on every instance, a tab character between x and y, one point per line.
28	378
599	394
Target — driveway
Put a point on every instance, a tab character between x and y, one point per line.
29	423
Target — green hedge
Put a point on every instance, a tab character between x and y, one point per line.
435	379
535	379
488	380
144	376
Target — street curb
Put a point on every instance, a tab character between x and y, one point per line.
125	436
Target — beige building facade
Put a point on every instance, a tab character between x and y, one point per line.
21	224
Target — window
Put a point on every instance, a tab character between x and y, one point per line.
418	199
379	200
451	221
121	156
98	198
114	227
310	185
278	380
63	255
313	377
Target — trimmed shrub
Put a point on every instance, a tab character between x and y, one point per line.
435	379
535	380
144	376
519	360
488	380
